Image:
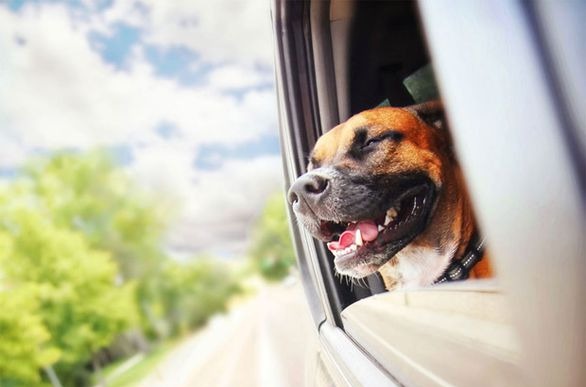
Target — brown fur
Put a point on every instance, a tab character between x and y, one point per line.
424	147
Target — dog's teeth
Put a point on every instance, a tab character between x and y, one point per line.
380	228
387	220
358	238
350	249
391	215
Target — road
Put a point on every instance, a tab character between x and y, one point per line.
264	341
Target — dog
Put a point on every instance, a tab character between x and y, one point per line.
385	191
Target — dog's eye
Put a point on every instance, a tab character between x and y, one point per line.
371	142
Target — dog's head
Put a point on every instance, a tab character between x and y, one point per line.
372	184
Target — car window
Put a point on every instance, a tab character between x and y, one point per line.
515	141
386	62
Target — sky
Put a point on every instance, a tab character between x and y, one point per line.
181	92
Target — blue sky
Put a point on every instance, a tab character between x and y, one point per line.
116	46
184	101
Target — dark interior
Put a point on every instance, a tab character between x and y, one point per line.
386	46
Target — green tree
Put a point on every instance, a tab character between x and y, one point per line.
24	345
90	194
195	290
271	250
81	259
71	291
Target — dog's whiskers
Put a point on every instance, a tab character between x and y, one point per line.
361	282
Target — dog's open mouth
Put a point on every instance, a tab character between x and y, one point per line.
367	241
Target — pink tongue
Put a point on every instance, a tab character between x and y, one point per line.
368	231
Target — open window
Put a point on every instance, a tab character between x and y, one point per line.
519	138
373	53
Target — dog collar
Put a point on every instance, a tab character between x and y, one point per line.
460	269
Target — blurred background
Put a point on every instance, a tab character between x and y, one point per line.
143	229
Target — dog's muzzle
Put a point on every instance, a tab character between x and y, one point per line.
365	219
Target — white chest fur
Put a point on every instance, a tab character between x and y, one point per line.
419	266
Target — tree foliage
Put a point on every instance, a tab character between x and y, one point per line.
82	261
88	193
24	348
193	291
271	250
67	290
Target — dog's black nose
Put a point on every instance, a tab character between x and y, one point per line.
308	186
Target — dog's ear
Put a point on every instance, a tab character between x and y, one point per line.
430	112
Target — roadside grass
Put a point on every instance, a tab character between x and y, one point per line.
136	373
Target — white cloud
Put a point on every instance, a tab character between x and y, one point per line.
220	30
131	12
235	77
218	207
58	92
165	168
12	154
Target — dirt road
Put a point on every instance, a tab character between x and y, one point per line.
263	342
